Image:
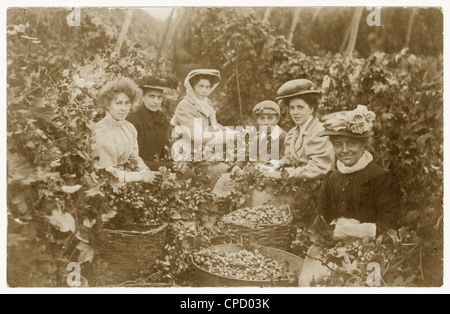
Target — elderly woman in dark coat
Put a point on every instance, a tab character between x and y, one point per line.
359	189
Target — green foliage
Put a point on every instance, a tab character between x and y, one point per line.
403	258
54	74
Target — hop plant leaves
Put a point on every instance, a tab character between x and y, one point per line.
86	253
63	221
71	189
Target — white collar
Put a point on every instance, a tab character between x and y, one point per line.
362	163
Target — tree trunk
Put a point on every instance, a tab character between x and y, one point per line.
410	26
173	34
164	36
267	15
345	41
239	92
313	20
123	34
354	32
295	18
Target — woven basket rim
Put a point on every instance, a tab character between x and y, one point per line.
151	231
233	278
261	226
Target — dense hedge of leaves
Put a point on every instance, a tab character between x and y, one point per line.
54	73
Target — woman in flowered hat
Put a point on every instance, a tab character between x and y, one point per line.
308	155
359	190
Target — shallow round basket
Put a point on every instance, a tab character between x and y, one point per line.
274	235
132	253
293	266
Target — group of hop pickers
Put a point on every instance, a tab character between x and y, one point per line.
333	149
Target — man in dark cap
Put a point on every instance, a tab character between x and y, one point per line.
267	114
151	123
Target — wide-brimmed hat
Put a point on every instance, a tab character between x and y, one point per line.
266	107
296	88
357	123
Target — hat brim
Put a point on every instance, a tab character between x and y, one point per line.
162	88
265	112
215	78
314	91
332	115
346	133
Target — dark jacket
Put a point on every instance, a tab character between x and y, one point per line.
153	131
281	140
369	195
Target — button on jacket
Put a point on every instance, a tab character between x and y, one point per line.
370	195
312	155
152	128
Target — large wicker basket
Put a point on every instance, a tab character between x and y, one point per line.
294	265
131	254
275	235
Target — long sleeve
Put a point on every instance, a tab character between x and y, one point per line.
371	195
324	207
185	115
134	158
320	157
387	202
139	129
115	145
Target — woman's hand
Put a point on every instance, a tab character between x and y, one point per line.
285	161
151	177
272	174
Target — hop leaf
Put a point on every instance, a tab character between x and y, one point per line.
108	216
71	189
63	221
87	253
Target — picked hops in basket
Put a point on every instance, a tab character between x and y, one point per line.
263	215
243	265
264	225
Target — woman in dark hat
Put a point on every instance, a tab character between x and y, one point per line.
359	190
309	156
151	123
196	104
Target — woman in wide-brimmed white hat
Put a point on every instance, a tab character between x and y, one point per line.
199	85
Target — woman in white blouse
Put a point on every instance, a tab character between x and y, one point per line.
115	147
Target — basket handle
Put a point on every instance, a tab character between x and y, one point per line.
288	208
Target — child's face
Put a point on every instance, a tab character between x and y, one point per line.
267	120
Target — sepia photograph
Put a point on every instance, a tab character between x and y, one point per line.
224	146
